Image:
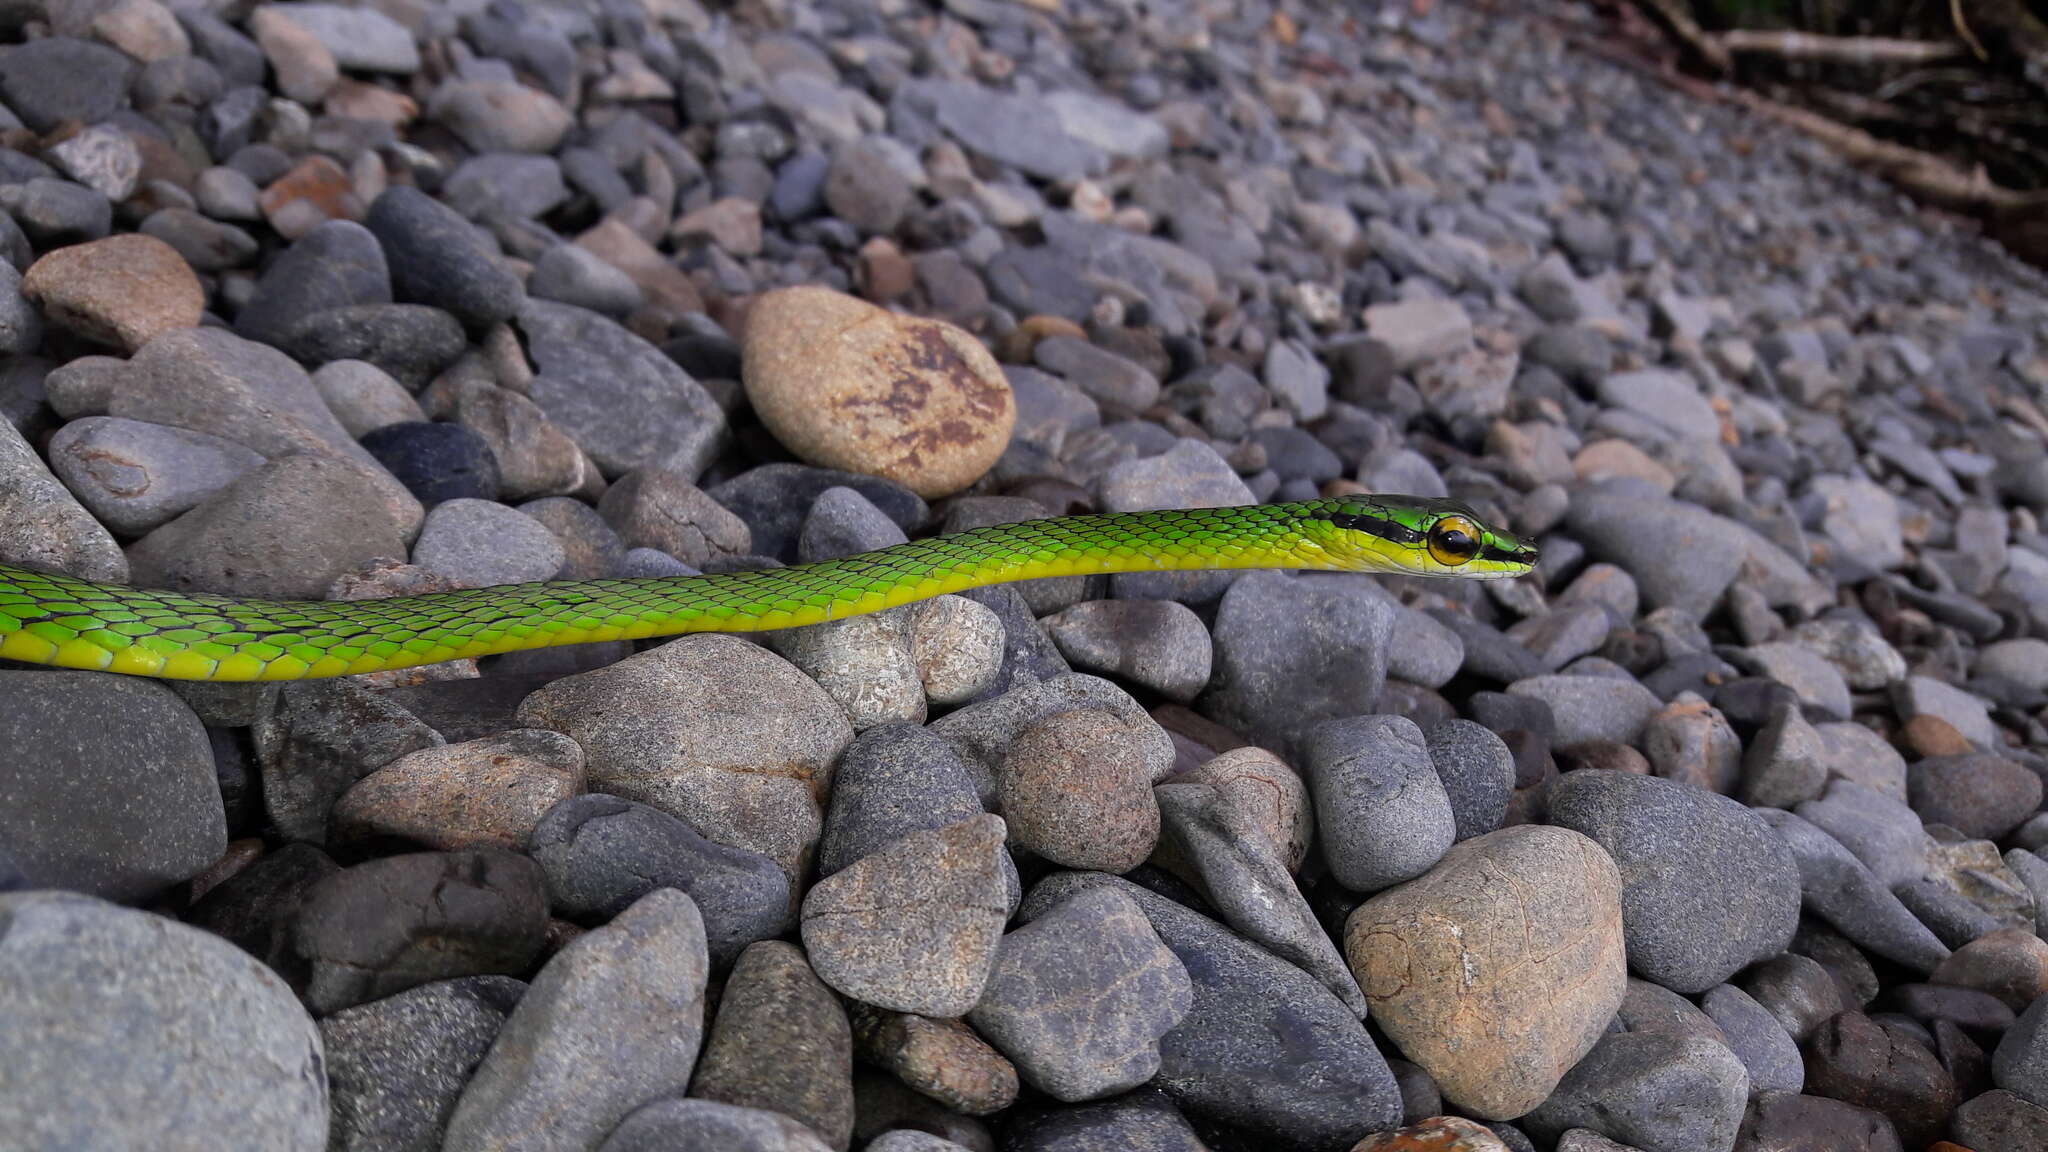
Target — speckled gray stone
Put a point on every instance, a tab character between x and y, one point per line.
1383	811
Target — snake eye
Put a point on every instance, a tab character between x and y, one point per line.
1453	540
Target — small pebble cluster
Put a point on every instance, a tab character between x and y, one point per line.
1722	831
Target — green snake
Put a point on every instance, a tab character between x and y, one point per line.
64	621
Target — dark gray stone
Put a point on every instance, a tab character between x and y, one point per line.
396	1066
1293	652
1656	1091
1382	810
437	258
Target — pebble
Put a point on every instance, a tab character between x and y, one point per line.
846	385
1835	886
1497	1029
713	730
436	257
1656	1091
397	922
658	507
1757	1039
1850	1058
622	401
1076	788
780	1043
1590	708
338	264
572	274
120	291
1254	1019
148	1033
437	463
1293	652
134	476
1159	645
914	926
1785	1120
1079	997
1982	795
364	397
479	793
110	789
1998	1121
600	854
2011	964
479	543
985	730
396	1066
1383	810
2020	1063
1883	833
613	1021
708	1124
1189	474
1674	844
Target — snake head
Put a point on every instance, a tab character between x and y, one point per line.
1421	536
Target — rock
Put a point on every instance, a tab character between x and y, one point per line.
1496	1029
337	265
847	385
1478	774
401	921
842	522
658	507
103	159
436	462
985	730
480	793
573	275
1837	887
1097	372
1383	811
59	78
1656	1091
481	543
120	291
2011	964
1791	1122
593	549
109	789
1590	708
864	663
1229	1059
1076	788
1786	764
1757	1039
1080	996
864	187
135	476
116	1008
1982	795
1444	1133
1159	645
534	457
41	523
715	731
914	926
1292	652
436	257
496	116
305	69
1188	475
1917	696
2020	1063
1883	833
780	1043
204	244
1234	829
612	1022
601	854
668	1124
361	39
1999	1121
396	1066
1850	1058
893	779
624	402
1678	848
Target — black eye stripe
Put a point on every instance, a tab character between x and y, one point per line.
1375	526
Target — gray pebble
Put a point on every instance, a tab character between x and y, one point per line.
149	1034
621	399
1478	774
315	738
108	787
671	1124
1189	475
1652	1090
601	854
1075	787
612	1022
843	522
958	646
781	1043
1882	832
983	731
864	663
1839	889
1818	684
396	1066
1707	888
1383	811
134	476
364	397
1159	645
436	258
1080	996
42	525
913	927
1589	708
572	274
1757	1039
480	543
1292	652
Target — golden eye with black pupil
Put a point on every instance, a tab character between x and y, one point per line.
1453	540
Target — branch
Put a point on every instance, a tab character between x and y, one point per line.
1869	51
1678	19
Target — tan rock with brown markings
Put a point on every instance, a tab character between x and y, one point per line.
487	793
845	384
1500	967
119	291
